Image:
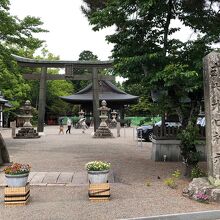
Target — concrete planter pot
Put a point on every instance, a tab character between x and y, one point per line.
98	176
19	180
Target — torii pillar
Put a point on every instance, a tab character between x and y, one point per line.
42	99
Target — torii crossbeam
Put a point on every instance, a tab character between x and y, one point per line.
69	74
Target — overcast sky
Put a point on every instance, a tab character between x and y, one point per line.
69	30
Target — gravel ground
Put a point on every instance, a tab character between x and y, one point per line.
131	164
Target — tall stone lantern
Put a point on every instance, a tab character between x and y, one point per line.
81	114
103	131
27	131
113	122
27	108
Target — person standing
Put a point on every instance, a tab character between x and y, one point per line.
84	125
69	122
61	127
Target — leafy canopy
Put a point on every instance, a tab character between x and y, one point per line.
146	49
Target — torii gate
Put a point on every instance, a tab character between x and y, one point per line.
69	74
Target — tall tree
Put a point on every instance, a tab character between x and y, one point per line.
55	88
14	35
85	55
146	50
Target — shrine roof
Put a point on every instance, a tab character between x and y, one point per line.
107	91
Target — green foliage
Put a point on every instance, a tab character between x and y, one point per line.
16	36
126	121
143	107
85	55
149	120
189	139
16	32
172	181
55	89
148	183
196	172
176	174
147	52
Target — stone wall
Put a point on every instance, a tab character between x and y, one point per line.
171	149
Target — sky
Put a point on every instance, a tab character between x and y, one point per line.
69	30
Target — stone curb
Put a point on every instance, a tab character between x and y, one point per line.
207	215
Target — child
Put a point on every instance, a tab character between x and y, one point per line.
61	127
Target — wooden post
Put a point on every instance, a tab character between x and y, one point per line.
95	89
42	100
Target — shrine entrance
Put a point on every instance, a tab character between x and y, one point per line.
69	66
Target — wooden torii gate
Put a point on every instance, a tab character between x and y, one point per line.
69	74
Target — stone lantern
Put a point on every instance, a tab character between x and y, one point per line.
113	122
27	108
27	131
103	113
81	114
103	131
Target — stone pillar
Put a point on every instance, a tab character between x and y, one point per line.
13	128
95	90
42	100
212	114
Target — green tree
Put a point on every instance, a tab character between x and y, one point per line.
85	55
55	88
14	35
146	50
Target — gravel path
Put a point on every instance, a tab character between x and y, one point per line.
132	167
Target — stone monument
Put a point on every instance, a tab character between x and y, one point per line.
211	79
27	131
212	114
103	131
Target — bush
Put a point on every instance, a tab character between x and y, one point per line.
197	172
126	121
172	181
189	139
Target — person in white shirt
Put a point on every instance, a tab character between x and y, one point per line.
69	122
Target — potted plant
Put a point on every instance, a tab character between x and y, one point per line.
98	171
17	175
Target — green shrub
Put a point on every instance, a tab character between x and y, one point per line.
197	172
189	140
172	181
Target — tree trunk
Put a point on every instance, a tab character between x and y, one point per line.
4	156
188	170
166	26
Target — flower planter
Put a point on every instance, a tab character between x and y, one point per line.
98	176
18	180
